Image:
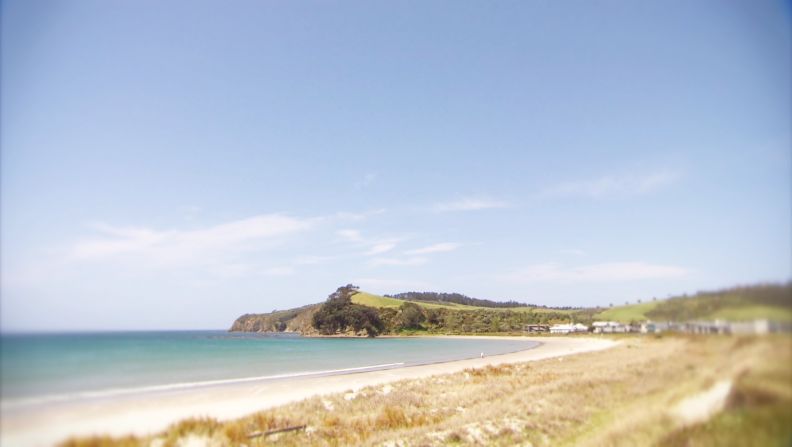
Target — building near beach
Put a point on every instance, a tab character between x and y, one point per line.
610	327
568	328
651	327
536	328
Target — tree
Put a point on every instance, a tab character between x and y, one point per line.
339	313
411	316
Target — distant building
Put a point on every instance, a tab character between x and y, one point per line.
610	327
758	326
651	327
568	328
536	328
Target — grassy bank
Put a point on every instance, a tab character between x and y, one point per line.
622	396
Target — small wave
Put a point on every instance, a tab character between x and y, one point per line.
12	403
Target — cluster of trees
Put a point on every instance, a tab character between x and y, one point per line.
340	315
458	298
486	321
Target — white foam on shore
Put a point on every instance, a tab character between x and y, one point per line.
14	403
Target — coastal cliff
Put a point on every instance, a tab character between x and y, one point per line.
292	320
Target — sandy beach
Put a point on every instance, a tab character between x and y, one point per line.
152	412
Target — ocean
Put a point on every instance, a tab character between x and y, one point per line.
44	368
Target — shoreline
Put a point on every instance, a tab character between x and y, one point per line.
150	413
32	402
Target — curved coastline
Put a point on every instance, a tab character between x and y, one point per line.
14	403
152	412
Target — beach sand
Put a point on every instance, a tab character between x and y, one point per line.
152	412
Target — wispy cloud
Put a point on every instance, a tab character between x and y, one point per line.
609	271
187	246
350	235
398	261
381	247
471	204
373	246
357	216
435	248
613	186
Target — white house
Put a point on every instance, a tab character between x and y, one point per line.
568	328
609	327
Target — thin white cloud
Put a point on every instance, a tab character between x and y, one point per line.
187	246
604	272
398	261
613	186
350	235
372	246
471	204
435	248
381	247
344	215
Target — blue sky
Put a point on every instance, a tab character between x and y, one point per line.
171	165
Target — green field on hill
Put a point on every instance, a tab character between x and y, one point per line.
371	300
763	301
625	314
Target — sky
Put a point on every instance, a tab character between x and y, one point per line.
173	165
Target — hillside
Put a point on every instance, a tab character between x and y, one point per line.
430	317
292	320
398	316
369	299
764	301
627	313
455	298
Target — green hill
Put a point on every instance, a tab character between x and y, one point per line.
371	300
632	312
396	316
764	301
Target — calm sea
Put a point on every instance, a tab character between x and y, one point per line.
42	368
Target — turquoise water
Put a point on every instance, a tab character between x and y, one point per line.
46	367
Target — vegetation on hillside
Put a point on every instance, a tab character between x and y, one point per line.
339	315
292	320
457	298
623	396
627	313
763	301
351	311
775	299
371	300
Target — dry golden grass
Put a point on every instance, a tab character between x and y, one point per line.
616	397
